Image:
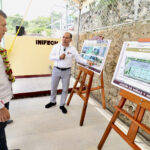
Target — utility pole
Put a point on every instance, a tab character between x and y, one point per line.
67	16
78	30
1	4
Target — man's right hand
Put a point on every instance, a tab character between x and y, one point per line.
62	56
90	63
4	114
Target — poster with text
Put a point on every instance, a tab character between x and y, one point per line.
133	69
95	51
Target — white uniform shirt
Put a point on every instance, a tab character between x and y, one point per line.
70	52
5	85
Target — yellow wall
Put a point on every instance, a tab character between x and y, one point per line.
27	57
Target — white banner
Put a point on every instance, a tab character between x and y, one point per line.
133	69
95	51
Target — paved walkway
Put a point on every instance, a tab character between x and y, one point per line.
37	128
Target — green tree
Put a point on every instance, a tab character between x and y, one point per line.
39	26
13	21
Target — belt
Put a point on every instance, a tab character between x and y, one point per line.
63	69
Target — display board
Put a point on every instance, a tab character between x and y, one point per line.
95	51
133	69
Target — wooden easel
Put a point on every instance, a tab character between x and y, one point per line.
85	89
142	105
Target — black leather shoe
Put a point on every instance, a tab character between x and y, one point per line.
50	105
9	121
63	109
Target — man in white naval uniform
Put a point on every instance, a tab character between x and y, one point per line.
62	54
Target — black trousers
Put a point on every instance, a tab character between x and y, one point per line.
3	141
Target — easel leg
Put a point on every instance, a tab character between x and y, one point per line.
109	127
74	87
69	99
102	91
83	113
138	115
103	98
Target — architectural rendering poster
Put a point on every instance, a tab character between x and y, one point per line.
133	69
95	51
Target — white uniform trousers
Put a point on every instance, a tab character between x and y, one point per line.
64	75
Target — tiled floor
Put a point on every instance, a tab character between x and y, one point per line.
37	128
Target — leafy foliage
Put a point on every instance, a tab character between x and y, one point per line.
101	4
38	26
41	26
14	21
